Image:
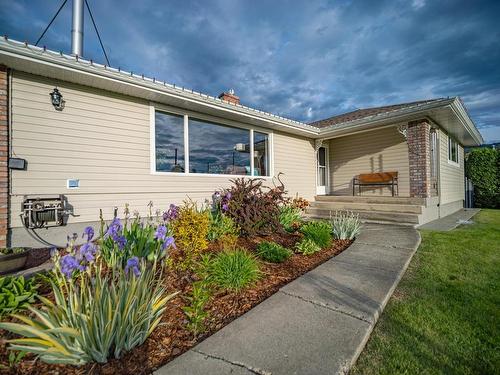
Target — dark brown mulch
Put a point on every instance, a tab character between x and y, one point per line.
172	339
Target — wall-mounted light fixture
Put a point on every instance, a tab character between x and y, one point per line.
57	99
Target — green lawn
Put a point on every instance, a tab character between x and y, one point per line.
444	317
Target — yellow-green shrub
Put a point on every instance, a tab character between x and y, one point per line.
190	230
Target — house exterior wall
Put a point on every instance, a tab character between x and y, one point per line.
4	154
451	178
382	150
103	139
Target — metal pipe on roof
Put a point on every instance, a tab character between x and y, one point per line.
77	28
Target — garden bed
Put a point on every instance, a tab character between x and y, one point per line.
146	290
172	338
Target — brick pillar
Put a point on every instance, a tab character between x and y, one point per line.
419	158
4	156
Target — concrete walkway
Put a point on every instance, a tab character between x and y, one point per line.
317	324
452	221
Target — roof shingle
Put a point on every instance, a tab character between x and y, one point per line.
366	112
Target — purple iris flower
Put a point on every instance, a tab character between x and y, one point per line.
69	264
121	241
161	232
87	251
225	207
169	242
133	265
89	232
172	213
114	228
228	195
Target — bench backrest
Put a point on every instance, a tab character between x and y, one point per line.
371	178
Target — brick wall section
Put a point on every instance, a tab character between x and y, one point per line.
419	155
4	156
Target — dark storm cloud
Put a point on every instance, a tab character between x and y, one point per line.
303	59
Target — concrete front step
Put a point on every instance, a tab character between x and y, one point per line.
370	199
369	216
367	206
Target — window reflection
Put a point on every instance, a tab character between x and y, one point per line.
261	152
169	141
218	149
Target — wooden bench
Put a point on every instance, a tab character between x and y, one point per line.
389	179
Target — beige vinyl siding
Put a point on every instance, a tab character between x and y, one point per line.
382	150
451	175
103	139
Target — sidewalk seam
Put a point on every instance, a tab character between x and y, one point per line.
382	245
253	370
325	306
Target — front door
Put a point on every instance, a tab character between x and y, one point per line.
322	173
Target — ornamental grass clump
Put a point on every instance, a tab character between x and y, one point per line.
319	232
16	294
95	316
345	225
190	230
273	252
232	270
307	247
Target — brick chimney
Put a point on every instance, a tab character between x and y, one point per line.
230	97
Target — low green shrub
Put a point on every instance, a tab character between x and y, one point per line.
345	225
12	250
232	270
94	316
16	293
273	252
290	217
220	226
319	232
307	247
195	311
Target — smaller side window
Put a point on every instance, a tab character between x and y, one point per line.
452	150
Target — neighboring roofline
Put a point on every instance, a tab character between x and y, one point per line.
27	53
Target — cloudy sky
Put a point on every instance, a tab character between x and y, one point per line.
306	60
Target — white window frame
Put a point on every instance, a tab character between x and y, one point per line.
451	161
199	116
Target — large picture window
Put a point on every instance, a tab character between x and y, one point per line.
198	146
169	142
452	150
218	149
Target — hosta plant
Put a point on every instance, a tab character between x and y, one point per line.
94	317
345	225
16	293
307	247
319	232
290	217
273	252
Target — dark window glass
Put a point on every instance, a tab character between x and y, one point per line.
261	152
452	150
169	140
218	149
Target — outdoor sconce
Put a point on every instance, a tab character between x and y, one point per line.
57	99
